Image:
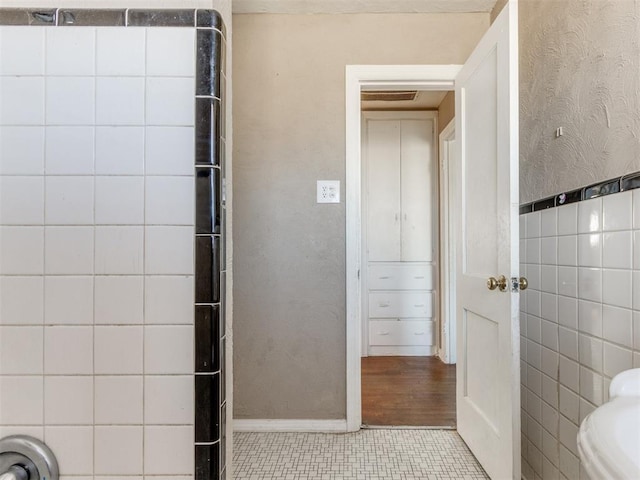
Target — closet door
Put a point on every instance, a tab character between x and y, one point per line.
383	190
417	187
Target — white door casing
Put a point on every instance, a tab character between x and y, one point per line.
449	188
488	368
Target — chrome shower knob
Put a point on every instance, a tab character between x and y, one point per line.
26	458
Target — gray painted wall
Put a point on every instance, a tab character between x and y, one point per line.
579	64
289	252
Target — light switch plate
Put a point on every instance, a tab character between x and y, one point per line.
328	191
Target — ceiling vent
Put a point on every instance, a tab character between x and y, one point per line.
388	95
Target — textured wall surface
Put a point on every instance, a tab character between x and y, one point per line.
289	129
579	63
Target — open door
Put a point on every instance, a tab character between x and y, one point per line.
488	368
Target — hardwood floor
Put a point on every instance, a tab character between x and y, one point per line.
408	391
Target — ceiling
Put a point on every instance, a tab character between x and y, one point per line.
362	6
424	100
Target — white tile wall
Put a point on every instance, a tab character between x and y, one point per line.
69	150
168	400
21	250
636	209
119	200
26	60
21	398
168	450
118	450
580	326
120	101
119	300
171	52
127	341
68	300
70	52
167	150
69	250
68	400
22	200
73	447
118	400
96	247
69	200
22	100
22	300
169	299
22	150
169	250
111	42
120	150
68	350
168	349
119	250
21	350
70	100
170	101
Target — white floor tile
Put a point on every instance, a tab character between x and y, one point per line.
367	455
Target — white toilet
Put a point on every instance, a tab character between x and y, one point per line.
609	438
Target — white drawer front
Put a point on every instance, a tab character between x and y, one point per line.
401	332
400	277
400	304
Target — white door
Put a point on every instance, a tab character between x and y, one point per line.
488	375
383	170
418	187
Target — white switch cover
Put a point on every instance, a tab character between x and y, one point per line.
328	191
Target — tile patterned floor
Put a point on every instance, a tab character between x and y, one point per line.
364	455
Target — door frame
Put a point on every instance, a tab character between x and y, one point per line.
358	78
447	317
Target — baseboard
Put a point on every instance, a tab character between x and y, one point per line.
285	425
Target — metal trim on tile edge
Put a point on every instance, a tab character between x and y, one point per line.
209	242
200	18
627	182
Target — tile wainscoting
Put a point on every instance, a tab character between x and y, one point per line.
580	321
112	223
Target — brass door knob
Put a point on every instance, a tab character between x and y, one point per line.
493	283
523	283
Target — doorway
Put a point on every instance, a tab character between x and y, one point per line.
359	78
404	380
